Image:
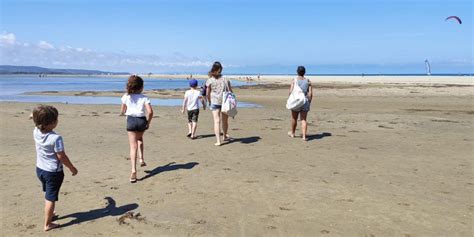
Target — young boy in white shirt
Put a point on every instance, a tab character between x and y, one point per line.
50	158
191	104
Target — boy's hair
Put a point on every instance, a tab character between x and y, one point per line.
134	84
44	115
301	70
216	70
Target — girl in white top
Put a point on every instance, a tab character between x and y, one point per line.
139	112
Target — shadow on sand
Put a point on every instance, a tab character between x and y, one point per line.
169	167
244	140
110	210
205	136
319	136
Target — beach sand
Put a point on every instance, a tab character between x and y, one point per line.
381	161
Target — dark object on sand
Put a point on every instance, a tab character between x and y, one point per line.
130	215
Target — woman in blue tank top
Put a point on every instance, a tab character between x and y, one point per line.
305	85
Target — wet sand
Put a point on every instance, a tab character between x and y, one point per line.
382	160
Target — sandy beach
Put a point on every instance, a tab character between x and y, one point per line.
384	158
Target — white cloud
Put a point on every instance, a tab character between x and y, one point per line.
7	38
45	54
45	45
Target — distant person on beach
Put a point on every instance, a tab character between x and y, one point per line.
50	157
204	91
191	105
137	108
215	88
305	85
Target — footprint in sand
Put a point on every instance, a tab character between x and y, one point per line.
200	222
27	227
346	200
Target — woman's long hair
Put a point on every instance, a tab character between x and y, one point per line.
216	70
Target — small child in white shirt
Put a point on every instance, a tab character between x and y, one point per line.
137	108
50	158
191	104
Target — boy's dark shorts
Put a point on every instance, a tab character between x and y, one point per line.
136	124
193	115
51	182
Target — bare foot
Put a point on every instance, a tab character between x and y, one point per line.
305	139
290	134
142	162
217	144
133	177
51	226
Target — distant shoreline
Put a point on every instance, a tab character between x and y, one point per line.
445	79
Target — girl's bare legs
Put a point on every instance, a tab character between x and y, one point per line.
193	129
217	125
132	140
190	129
304	124
141	158
225	126
294	119
48	215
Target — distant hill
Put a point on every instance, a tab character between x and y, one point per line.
9	69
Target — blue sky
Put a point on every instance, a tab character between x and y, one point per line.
328	36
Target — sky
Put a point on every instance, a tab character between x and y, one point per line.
186	36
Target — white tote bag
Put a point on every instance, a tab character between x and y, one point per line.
297	98
229	102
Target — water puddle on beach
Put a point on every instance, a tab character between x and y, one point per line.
98	100
13	89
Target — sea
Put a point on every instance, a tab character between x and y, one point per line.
16	88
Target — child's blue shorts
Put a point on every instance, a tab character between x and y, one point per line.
136	124
51	182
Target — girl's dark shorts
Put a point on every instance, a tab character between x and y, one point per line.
51	182
193	115
136	124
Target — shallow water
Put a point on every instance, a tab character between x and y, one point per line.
14	87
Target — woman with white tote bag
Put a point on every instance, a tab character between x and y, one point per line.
299	102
